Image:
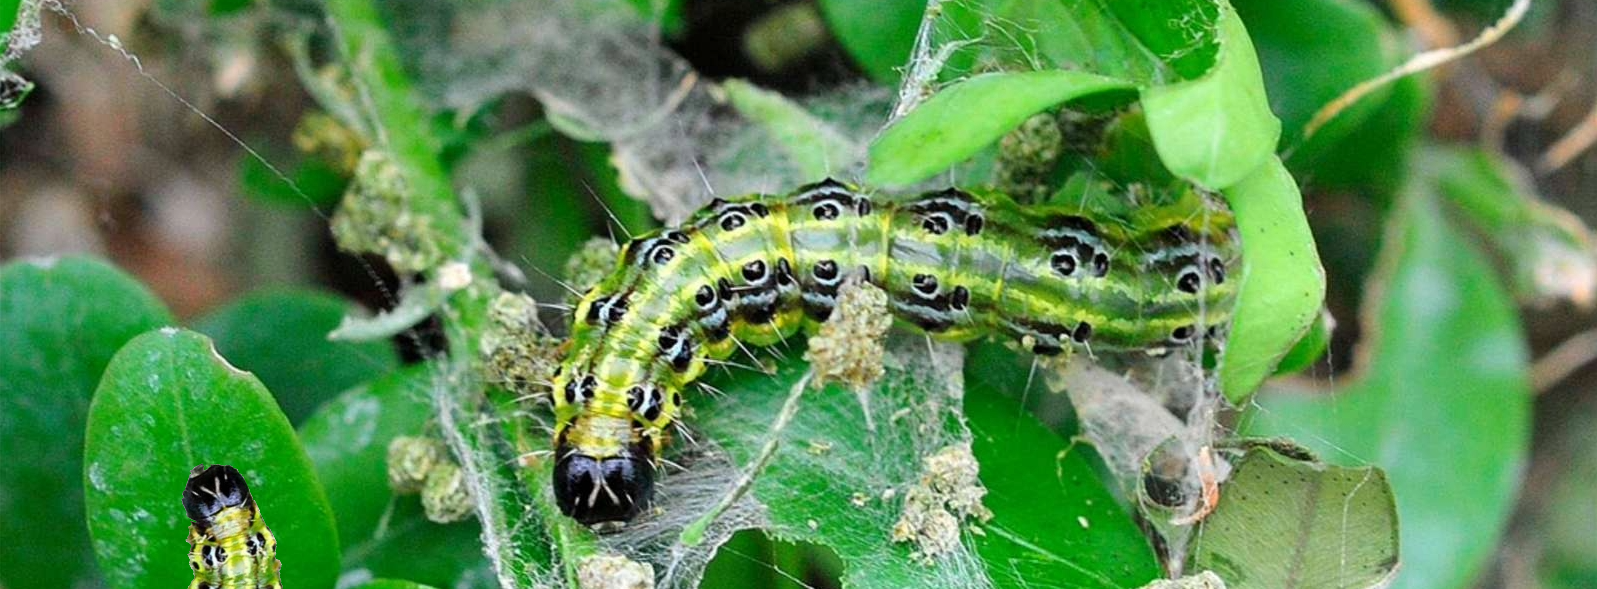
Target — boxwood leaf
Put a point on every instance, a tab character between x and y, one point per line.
281	336
167	403
61	321
943	132
1053	516
1281	285
1217	129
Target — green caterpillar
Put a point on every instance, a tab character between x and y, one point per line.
958	265
231	547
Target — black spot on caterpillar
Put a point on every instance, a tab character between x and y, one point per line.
956	264
230	545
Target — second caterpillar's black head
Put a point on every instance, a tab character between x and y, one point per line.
593	490
214	488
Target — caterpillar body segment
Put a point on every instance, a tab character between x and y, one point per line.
231	547
957	265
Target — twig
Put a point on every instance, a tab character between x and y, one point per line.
1571	145
1502	113
1434	29
1419	63
1564	359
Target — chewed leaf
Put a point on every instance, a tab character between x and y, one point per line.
947	129
1281	284
1284	523
281	336
61	321
1218	129
166	404
1453	441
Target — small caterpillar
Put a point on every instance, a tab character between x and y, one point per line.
232	549
958	265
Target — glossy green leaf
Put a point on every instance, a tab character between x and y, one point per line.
813	145
1082	539
943	132
61	321
347	441
1442	403
393	584
281	336
1281	286
1216	130
878	34
1285	523
8	19
167	403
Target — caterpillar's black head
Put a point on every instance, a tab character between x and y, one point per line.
212	489
614	488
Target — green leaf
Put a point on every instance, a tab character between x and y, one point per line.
836	483
281	336
878	34
1290	524
1281	286
393	584
8	19
826	482
943	132
1311	52
1442	404
315	184
1216	130
61	321
1309	349
167	403
1082	538
668	14
814	146
347	441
